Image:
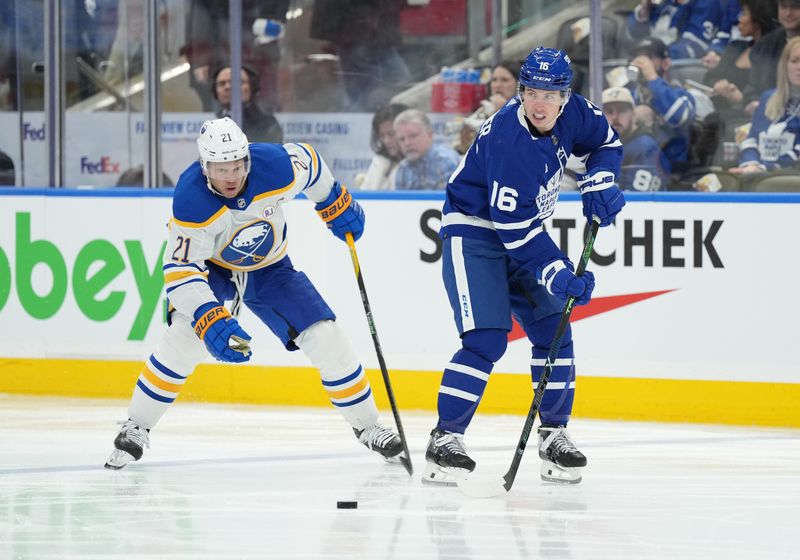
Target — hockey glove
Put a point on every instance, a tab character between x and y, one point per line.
599	199
341	213
560	280
221	333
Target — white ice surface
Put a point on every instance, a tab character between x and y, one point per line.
263	482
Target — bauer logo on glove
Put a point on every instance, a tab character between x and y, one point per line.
339	205
341	213
221	333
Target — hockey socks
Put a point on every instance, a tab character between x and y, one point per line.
559	394
343	378
462	387
165	372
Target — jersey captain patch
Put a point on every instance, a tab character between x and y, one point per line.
249	245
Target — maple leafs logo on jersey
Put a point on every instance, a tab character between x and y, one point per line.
548	193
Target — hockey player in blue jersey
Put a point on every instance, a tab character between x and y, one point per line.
498	260
227	246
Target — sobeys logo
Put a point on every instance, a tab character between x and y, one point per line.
96	265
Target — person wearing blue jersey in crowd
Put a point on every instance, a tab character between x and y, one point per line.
498	259
227	247
686	26
674	107
644	167
774	138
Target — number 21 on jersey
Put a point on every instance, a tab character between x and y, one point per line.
505	198
181	252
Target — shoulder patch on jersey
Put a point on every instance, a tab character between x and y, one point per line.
193	205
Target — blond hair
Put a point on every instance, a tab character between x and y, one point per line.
776	105
413	116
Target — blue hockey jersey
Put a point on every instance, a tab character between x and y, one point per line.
508	181
773	144
686	26
644	167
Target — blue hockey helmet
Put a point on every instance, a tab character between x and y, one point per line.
549	69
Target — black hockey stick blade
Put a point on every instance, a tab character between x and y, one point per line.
488	488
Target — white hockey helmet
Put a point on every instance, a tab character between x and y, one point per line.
222	140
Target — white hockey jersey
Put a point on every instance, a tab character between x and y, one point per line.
243	233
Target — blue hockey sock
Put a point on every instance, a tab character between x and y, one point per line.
560	391
462	387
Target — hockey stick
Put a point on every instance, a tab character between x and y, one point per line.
406	461
478	488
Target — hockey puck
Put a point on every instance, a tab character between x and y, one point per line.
347	505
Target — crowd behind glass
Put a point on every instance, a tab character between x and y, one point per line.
704	93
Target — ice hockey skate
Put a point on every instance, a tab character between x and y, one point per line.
447	458
561	460
380	440
129	445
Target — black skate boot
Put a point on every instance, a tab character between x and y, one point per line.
129	445
561	461
447	458
381	440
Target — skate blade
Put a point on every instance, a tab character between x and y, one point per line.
118	459
550	472
442	476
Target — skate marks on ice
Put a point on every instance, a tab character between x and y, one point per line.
258	482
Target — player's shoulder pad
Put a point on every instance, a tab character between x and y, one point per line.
581	107
498	126
306	160
270	169
193	204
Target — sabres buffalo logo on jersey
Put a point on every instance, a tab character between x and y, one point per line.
249	245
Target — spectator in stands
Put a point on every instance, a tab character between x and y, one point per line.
365	34
673	106
7	176
687	26
383	168
502	87
644	167
728	74
207	45
728	28
134	177
22	50
774	138
257	125
425	165
764	56
126	56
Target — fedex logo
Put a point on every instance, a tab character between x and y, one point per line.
105	165
31	133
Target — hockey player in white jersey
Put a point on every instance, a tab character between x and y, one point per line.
498	260
227	246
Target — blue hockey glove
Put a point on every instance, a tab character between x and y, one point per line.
560	280
341	213
601	200
221	333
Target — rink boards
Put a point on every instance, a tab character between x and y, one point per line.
693	317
